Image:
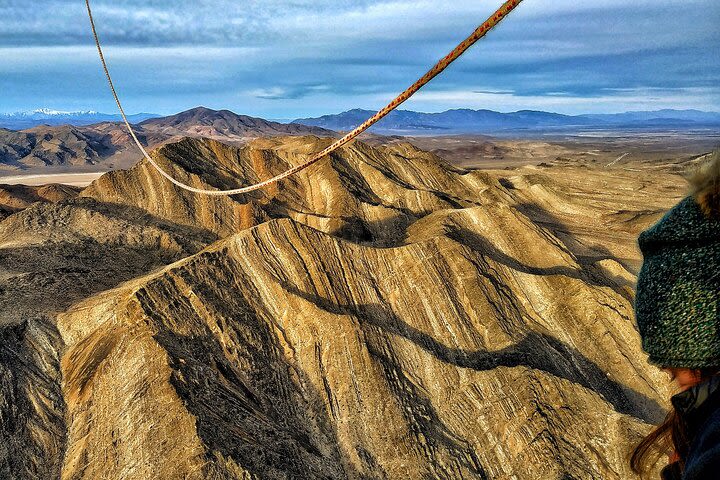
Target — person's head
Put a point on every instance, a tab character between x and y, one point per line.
684	378
677	306
677	301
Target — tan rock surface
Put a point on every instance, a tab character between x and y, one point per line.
298	355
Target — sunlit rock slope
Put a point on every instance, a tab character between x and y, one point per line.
380	315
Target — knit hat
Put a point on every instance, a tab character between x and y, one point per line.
677	301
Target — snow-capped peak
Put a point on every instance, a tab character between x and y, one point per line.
50	111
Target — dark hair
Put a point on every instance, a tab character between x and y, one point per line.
671	435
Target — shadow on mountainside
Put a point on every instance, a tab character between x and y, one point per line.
265	412
260	409
420	413
588	273
82	255
31	448
535	350
586	255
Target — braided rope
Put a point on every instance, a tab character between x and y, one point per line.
480	32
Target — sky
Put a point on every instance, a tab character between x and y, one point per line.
299	58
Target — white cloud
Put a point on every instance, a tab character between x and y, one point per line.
615	100
305	55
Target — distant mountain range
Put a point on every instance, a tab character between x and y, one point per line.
397	122
107	145
46	116
92	141
488	121
205	122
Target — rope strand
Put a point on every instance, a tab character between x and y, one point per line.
480	32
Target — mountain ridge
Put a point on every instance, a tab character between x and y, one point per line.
108	145
28	119
465	120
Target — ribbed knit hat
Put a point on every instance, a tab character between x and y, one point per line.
677	301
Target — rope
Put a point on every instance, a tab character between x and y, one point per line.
480	32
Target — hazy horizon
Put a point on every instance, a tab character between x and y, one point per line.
66	111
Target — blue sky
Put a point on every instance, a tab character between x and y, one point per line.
293	58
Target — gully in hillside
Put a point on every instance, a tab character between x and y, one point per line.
677	307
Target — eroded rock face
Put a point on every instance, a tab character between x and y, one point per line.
32	408
52	255
283	352
382	314
360	193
